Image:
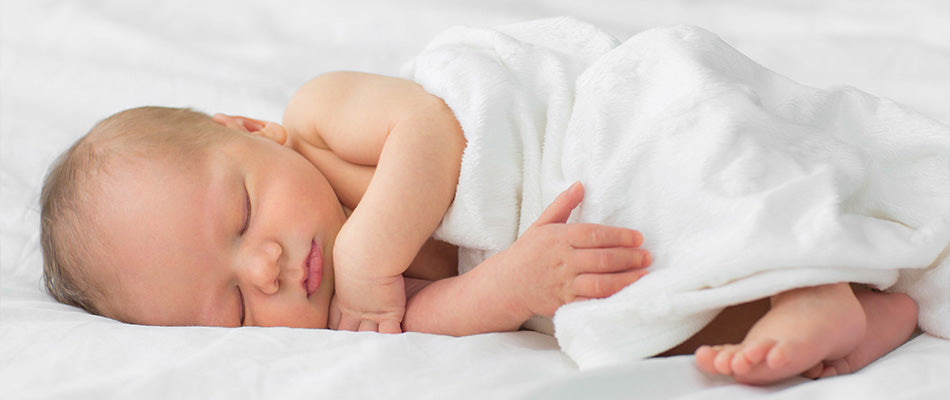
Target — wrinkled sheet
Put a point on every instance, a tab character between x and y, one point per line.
64	65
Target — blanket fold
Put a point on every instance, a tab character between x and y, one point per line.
743	182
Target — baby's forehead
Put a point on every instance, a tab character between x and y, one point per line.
138	188
181	158
170	156
158	226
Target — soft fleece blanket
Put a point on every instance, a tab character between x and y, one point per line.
743	182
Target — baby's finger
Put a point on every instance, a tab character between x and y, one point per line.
560	209
368	326
390	327
348	323
598	236
333	320
614	259
604	285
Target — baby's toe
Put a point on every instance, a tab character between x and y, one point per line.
741	365
777	357
705	359
723	361
756	352
835	367
814	372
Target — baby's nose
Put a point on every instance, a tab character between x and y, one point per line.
264	269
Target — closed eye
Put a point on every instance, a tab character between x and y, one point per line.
241	303
247	210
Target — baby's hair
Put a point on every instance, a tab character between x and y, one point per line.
69	235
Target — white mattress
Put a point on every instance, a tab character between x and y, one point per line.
66	64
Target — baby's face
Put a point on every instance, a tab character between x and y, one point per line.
245	239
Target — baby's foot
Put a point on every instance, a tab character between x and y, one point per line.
891	320
803	328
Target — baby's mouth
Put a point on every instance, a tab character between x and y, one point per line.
313	267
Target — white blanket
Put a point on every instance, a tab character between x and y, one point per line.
743	182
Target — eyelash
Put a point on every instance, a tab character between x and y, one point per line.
247	211
247	223
241	302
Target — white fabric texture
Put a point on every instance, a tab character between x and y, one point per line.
66	64
743	182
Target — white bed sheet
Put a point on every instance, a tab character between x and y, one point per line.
66	64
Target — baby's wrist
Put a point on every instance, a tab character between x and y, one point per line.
355	256
500	281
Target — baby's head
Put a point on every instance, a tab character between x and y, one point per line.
165	216
70	235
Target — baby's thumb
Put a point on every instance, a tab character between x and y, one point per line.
334	317
560	209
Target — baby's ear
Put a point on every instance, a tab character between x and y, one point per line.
240	123
273	131
270	130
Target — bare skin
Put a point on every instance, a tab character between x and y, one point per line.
816	332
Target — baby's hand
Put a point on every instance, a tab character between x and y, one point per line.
367	304
554	263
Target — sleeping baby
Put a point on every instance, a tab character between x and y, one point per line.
450	203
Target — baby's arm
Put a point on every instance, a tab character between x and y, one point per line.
551	264
415	144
